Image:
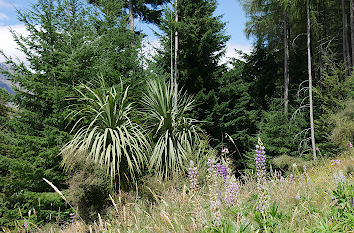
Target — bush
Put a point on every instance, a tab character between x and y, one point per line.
343	132
89	191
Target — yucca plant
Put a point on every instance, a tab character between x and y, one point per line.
110	138
175	134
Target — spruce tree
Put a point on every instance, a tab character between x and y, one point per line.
201	44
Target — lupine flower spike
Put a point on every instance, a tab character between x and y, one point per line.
261	177
231	191
194	184
214	201
73	218
193	176
222	170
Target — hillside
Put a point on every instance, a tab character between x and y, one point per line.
4	83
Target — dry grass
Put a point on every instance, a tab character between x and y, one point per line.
173	208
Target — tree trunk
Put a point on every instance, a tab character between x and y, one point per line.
346	55
171	38
286	62
310	79
176	40
131	15
352	30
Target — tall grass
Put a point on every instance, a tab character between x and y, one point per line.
302	202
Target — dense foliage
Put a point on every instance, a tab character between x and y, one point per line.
87	99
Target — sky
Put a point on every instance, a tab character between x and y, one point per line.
231	10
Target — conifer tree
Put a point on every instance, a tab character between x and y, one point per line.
201	44
147	10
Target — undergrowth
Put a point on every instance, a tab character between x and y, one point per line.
316	197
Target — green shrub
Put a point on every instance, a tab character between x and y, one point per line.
89	190
343	132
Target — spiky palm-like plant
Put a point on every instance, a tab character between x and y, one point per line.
110	138
175	134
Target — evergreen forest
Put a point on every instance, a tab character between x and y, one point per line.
99	135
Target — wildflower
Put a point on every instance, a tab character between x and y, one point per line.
222	170
211	164
350	145
72	217
282	180
291	177
213	194
317	149
334	162
303	176
224	150
25	224
261	176
231	191
294	165
339	178
308	179
193	176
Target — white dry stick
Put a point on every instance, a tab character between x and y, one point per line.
56	190
61	195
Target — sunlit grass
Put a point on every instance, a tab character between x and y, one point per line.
170	206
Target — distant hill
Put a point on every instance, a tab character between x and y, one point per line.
4	82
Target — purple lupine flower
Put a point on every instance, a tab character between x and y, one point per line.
231	191
282	180
291	177
224	150
213	193
261	176
211	164
334	162
25	224
193	176
260	159
339	178
303	176
222	170
73	218
308	179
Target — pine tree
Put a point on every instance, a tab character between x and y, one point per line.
146	10
201	43
235	112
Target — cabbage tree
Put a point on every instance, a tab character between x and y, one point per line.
109	137
175	134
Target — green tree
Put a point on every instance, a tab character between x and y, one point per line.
175	134
235	112
110	138
146	10
201	44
